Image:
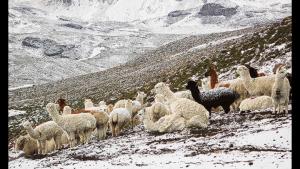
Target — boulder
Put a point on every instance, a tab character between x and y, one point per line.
32	42
213	9
72	25
178	13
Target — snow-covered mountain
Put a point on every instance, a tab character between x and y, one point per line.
92	35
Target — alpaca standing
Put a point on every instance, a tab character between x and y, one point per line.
119	118
137	104
44	132
256	86
83	123
223	97
280	90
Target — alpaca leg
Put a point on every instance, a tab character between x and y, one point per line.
43	146
72	140
88	135
226	108
117	130
112	127
81	135
275	107
57	141
197	121
287	106
39	147
279	109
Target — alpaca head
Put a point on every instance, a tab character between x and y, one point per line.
101	103
160	88
52	108
281	72
191	85
128	104
67	110
278	65
141	95
61	103
26	124
252	71
88	103
242	70
110	108
205	82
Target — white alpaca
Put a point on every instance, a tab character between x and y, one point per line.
43	132
205	83
84	123
257	103
137	104
67	110
102	106
30	146
281	90
101	123
158	126
184	94
193	113
120	117
158	109
256	86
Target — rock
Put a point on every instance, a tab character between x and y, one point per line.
178	13
54	50
48	43
213	9
72	25
32	42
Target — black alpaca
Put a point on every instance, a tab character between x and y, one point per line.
217	97
253	72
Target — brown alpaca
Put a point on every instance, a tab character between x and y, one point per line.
62	103
213	76
278	65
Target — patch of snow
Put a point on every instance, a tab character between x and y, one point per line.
13	112
19	87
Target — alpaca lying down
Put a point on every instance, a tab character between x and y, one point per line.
182	109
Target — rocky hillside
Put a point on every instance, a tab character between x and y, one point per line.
175	62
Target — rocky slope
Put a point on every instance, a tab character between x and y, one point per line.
175	62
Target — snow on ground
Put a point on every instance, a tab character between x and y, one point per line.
250	140
13	112
14	88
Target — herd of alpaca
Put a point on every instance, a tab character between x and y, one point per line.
170	111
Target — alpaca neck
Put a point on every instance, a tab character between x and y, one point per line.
213	78
196	93
246	78
279	81
55	115
31	132
140	99
169	95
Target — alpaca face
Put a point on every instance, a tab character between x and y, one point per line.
67	110
281	72
191	85
26	124
102	103
242	70
204	81
141	94
160	87
51	107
